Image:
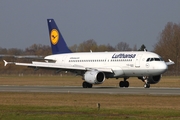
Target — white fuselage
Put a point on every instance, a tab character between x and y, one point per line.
122	63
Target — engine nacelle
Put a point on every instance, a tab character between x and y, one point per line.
154	79
94	77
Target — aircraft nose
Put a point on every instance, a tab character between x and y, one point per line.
162	66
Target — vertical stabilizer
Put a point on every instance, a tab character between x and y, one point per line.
58	45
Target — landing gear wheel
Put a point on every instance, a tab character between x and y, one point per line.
90	85
126	84
123	84
86	85
147	85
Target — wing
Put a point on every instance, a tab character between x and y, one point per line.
54	65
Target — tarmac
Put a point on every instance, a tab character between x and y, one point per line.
94	90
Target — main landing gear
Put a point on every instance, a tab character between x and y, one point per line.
124	83
86	85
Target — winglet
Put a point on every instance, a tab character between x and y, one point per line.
5	62
170	62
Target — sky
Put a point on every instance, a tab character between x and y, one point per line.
136	22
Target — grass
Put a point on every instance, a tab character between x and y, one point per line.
48	106
81	106
66	113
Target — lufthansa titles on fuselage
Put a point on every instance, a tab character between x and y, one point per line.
122	55
74	57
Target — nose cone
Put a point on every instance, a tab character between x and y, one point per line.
162	67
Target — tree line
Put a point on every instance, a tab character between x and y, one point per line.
167	46
86	46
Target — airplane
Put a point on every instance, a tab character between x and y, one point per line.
95	67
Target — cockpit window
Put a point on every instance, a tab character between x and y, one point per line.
161	59
154	59
148	59
157	59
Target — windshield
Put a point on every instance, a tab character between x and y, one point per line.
154	59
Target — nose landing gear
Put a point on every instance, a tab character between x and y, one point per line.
146	84
145	80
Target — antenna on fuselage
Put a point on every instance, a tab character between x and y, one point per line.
145	49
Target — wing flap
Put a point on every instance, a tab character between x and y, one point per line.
101	69
51	65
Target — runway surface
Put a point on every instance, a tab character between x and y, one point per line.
98	90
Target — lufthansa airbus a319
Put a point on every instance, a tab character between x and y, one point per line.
95	67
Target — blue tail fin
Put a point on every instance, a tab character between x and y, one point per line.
58	45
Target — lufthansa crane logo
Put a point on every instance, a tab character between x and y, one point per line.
54	36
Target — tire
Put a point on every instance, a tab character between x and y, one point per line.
89	85
126	84
146	85
121	84
85	85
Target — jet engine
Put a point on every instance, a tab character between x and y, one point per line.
154	79
94	77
